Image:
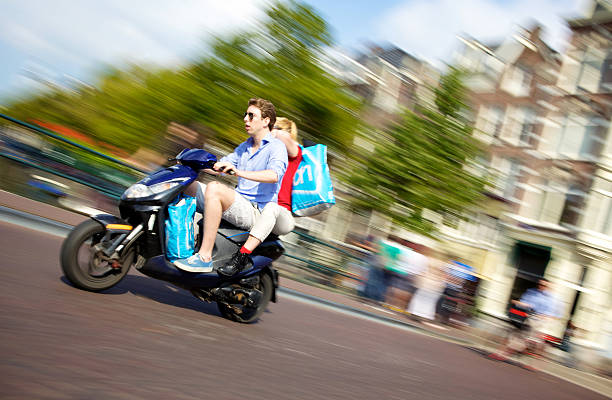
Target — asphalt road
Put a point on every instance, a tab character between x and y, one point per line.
145	339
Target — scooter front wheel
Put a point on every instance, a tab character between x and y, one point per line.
84	263
250	314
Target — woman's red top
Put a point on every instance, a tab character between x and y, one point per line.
284	194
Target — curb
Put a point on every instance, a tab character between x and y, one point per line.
16	217
374	316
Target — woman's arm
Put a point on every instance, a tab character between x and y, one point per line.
290	144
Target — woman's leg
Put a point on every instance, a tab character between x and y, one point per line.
263	225
284	222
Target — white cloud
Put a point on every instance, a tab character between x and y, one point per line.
428	28
66	35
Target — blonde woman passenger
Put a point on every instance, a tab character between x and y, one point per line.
275	217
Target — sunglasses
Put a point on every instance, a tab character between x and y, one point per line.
250	115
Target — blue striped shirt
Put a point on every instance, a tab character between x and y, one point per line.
271	154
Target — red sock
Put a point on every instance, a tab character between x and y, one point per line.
244	250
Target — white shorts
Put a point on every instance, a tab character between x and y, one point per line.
242	213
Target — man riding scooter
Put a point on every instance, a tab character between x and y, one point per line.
259	163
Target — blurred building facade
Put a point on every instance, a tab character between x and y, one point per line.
545	118
389	81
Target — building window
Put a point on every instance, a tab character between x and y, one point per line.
606	74
590	73
496	121
526	77
527	126
607	225
512	178
517	81
594	138
552	203
582	137
572	209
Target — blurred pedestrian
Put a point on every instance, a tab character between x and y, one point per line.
430	287
409	266
455	300
390	251
375	285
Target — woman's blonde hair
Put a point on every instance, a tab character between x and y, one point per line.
288	126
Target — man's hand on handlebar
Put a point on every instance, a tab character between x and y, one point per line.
225	167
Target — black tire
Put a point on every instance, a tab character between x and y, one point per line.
250	314
84	269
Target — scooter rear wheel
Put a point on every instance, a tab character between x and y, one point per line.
250	314
85	266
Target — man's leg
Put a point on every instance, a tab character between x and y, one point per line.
193	189
242	214
217	198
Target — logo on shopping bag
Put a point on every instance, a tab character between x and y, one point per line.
305	179
299	175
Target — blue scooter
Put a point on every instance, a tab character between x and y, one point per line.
99	252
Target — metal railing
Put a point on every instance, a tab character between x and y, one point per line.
54	135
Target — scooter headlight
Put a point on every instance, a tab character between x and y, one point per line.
162	187
139	190
136	191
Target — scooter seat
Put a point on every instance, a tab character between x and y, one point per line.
239	235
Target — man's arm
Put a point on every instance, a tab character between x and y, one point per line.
265	176
228	163
277	165
233	158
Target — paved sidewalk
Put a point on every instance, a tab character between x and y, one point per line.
478	339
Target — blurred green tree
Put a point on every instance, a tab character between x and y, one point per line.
279	60
423	163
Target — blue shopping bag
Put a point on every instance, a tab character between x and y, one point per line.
180	227
312	190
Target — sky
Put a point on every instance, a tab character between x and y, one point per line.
71	40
